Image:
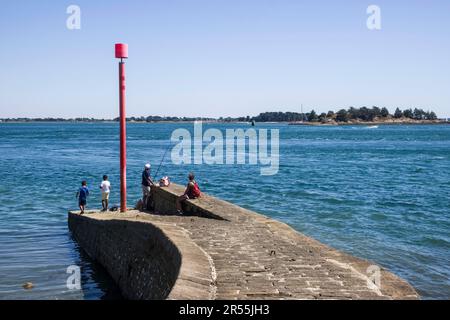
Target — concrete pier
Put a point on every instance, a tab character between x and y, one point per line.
223	251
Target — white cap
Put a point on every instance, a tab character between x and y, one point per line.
147	166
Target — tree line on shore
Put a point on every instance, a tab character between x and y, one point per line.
131	119
50	119
343	115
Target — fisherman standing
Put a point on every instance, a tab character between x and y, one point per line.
147	182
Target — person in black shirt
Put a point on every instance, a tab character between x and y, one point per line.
147	182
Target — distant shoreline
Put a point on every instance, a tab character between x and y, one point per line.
360	123
350	116
372	123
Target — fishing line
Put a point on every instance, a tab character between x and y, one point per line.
164	155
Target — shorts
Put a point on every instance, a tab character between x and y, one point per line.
82	202
146	190
105	196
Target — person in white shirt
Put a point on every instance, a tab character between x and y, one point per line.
106	188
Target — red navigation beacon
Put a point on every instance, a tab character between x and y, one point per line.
121	51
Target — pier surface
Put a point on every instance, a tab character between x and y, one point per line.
222	251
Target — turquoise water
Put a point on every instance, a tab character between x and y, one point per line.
378	193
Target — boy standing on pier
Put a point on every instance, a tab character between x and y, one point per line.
82	195
105	186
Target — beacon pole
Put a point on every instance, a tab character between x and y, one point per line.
122	53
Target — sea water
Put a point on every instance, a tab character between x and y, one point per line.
379	193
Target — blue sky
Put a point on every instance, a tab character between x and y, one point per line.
223	58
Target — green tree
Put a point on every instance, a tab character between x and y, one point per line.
398	113
331	114
342	115
312	116
323	117
408	113
375	112
353	113
365	114
432	116
384	112
418	114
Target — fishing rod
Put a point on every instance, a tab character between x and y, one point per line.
164	155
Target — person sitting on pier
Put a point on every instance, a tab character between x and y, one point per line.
147	182
192	192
